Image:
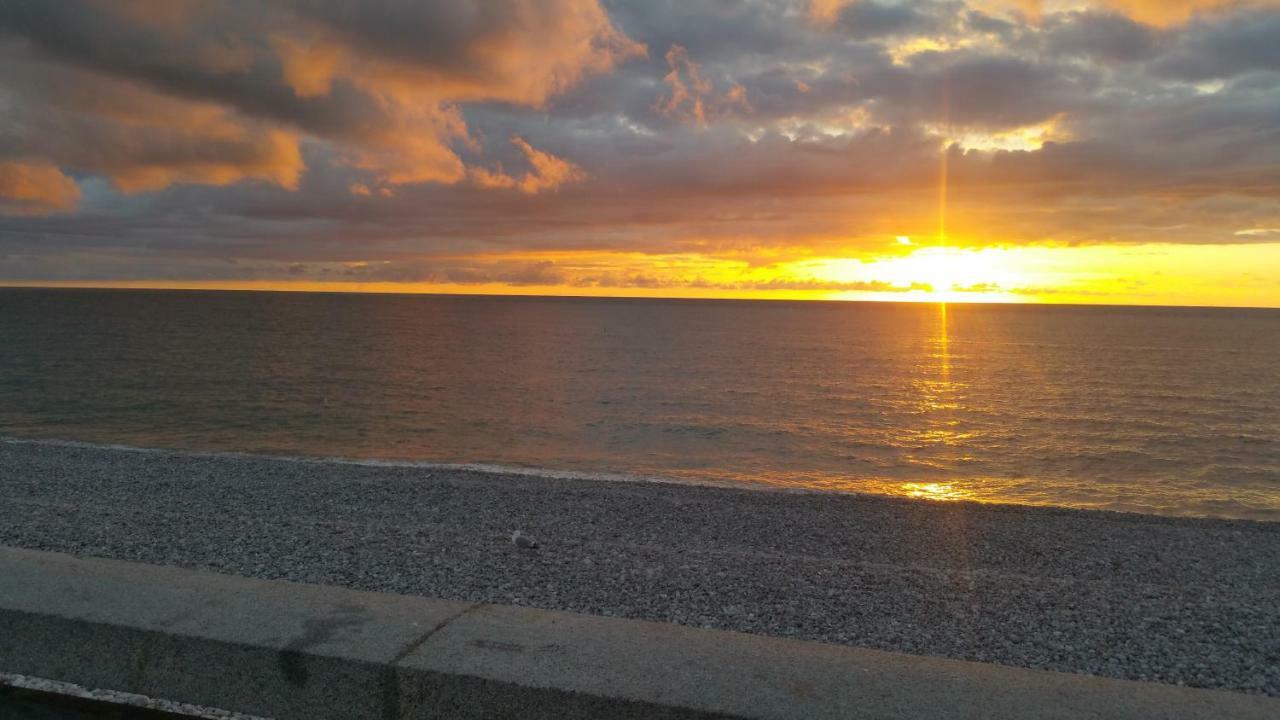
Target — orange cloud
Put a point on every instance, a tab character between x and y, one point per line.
688	88
1154	12
547	172
308	67
415	146
559	43
212	91
693	98
1173	12
546	48
825	11
144	140
273	158
35	188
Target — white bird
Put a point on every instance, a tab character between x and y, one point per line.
522	541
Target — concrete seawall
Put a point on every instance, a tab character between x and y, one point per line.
287	650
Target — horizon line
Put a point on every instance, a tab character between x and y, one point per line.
162	286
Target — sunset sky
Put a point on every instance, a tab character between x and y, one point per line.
1112	151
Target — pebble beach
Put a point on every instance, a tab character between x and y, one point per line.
1175	600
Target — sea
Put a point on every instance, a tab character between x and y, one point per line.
1170	411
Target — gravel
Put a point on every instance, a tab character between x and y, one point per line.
1175	600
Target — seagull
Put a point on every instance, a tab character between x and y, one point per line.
522	541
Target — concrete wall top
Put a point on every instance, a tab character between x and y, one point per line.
287	650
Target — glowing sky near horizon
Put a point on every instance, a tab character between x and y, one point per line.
1109	151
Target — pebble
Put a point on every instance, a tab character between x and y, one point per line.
1175	600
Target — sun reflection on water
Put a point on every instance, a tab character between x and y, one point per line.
939	395
933	491
939	441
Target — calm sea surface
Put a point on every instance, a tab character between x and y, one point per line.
1162	410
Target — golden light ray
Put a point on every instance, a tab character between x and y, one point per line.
942	164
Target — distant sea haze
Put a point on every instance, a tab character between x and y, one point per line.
1160	410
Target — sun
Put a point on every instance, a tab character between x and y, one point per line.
936	273
939	268
946	273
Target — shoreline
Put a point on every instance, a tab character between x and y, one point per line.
1135	596
543	473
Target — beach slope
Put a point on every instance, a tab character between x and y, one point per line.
1129	596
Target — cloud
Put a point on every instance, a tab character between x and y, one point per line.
980	90
1105	37
1172	12
214	92
1153	12
35	188
692	96
826	10
141	139
1226	47
865	19
399	141
546	172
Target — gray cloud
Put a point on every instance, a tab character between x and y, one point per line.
872	19
1102	37
1225	46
